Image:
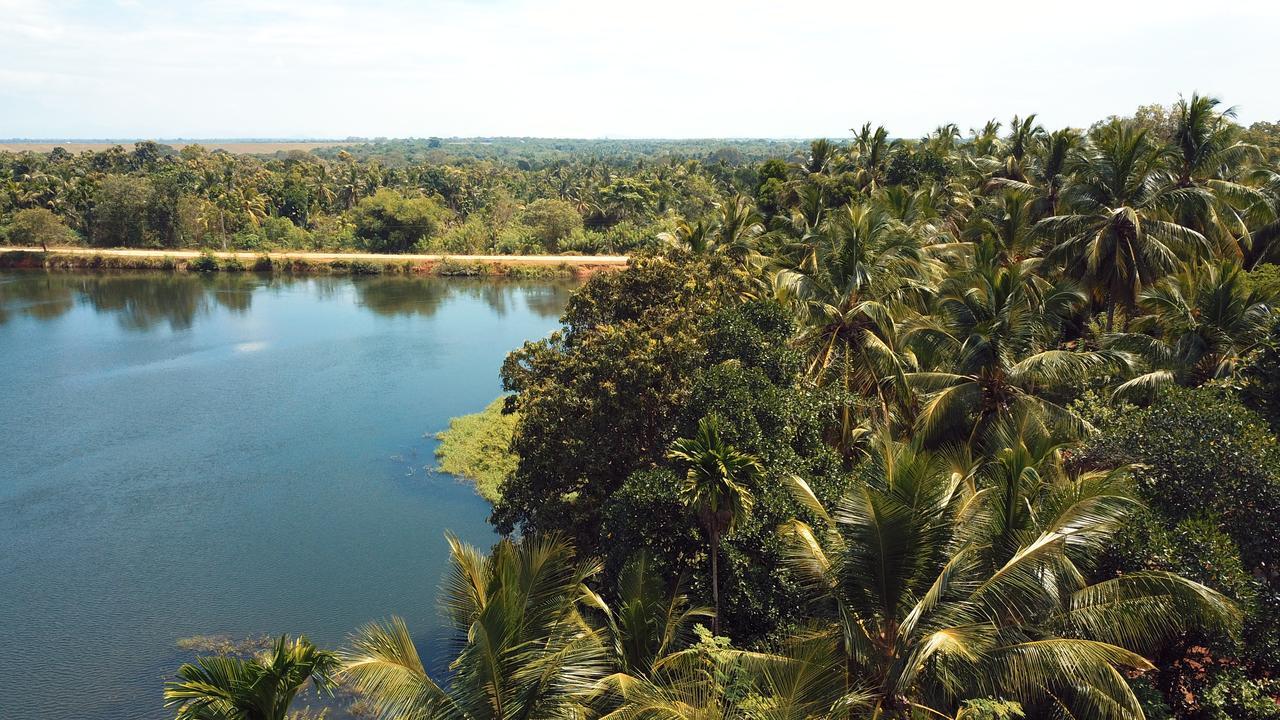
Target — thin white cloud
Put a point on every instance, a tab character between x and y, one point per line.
590	68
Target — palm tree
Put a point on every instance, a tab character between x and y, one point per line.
526	649
716	487
260	688
991	349
931	592
695	237
1047	173
867	265
1207	153
645	626
871	155
1116	235
1005	228
737	225
1199	325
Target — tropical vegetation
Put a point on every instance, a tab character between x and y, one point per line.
960	426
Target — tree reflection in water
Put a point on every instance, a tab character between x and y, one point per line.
141	300
423	296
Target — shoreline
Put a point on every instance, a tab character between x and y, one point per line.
207	261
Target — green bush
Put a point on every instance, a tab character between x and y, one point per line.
280	232
470	238
38	227
204	263
388	222
1261	377
1202	453
1266	280
551	221
1235	697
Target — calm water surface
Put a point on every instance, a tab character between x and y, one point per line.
229	455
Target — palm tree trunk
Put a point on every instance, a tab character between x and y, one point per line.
715	579
1111	313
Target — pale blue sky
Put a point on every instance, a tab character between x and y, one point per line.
595	68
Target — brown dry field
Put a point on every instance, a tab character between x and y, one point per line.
240	148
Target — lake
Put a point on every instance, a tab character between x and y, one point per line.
235	455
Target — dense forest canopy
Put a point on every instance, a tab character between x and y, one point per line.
966	426
453	195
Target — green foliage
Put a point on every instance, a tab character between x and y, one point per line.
120	211
260	688
1261	376
204	263
478	447
551	221
987	709
38	226
1265	279
1201	453
1235	697
391	223
645	355
1209	468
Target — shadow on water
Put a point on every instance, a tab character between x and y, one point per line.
424	296
142	301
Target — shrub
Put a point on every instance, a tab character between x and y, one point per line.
38	226
454	268
204	263
1235	697
280	232
391	223
551	221
1266	280
1201	452
469	238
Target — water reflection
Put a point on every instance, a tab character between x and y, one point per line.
424	296
141	301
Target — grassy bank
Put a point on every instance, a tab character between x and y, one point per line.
477	447
211	263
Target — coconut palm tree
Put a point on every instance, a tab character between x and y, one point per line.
1047	171
1004	229
1207	153
646	623
1115	233
260	688
526	649
737	225
872	151
990	353
717	488
909	587
1199	325
868	265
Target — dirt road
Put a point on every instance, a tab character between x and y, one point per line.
325	256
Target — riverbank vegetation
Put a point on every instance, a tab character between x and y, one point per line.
478	447
214	262
959	427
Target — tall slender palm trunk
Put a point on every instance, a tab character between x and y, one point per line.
715	579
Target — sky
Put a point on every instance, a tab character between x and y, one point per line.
614	68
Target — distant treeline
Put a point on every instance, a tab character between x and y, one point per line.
435	195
